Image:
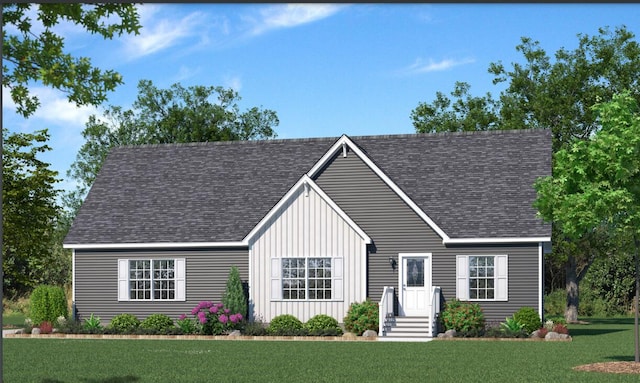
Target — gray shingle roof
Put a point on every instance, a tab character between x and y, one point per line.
470	184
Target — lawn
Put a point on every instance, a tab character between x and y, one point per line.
15	319
111	360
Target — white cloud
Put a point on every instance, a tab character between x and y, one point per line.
292	15
422	66
159	33
233	82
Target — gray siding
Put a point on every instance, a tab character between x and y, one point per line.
207	271
395	228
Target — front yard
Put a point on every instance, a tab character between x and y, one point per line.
118	360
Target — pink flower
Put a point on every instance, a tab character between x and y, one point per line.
202	317
182	317
195	310
213	310
223	318
239	316
227	311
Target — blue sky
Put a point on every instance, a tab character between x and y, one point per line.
325	69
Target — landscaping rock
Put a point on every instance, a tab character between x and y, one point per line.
35	331
551	336
369	334
448	334
235	333
535	334
349	335
19	331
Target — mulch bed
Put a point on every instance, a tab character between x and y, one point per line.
611	367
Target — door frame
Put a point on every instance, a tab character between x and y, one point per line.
427	274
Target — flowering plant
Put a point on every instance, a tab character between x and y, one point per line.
211	319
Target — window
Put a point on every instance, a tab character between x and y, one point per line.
482	277
151	279
306	278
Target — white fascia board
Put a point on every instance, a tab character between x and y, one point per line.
154	245
344	140
305	180
460	241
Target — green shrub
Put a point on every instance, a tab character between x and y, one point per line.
254	328
322	324
160	323
234	297
92	324
362	317
555	303
124	323
47	304
462	316
529	318
285	324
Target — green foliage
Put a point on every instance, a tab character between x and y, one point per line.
462	316
322	324
362	317
92	324
47	304
173	115
529	319
234	297
34	53
555	303
124	323
187	325
511	324
284	324
160	323
30	212
609	286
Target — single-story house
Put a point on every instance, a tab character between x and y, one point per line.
316	224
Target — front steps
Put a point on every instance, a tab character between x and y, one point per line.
407	329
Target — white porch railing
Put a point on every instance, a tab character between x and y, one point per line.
385	309
435	308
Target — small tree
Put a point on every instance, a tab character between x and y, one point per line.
234	296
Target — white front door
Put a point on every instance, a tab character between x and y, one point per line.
415	284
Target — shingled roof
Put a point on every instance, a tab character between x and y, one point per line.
472	185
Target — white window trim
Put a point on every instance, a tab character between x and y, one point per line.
337	285
501	277
123	280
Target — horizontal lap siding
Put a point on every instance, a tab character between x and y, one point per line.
395	228
96	282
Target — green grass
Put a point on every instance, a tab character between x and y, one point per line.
109	360
14	319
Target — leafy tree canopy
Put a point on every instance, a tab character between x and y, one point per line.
30	56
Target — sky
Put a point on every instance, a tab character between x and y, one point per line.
325	69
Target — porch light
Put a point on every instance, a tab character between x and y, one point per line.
392	262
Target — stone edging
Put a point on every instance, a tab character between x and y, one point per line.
193	337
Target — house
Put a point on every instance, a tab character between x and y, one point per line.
316	224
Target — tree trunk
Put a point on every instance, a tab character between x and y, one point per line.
573	297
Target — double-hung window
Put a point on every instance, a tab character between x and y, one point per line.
151	279
482	277
306	278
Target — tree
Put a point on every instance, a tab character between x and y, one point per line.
557	94
30	57
596	185
29	214
173	115
234	297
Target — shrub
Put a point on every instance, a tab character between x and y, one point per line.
285	324
157	322
529	318
512	325
92	324
124	323
255	328
362	317
560	328
555	303
234	297
215	319
46	327
47	304
322	324
462	316
542	332
187	325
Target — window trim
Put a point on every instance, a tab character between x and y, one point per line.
501	277
124	291
337	287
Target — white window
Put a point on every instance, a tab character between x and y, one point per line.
482	277
306	279
151	279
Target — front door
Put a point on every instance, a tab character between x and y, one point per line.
415	284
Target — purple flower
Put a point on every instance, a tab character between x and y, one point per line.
239	316
227	311
195	310
213	310
202	317
220	305
182	317
223	319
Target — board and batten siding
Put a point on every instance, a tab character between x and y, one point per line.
395	228
306	226
207	272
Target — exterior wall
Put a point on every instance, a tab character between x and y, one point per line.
394	228
96	280
306	226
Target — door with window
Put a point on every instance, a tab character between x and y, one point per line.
415	284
